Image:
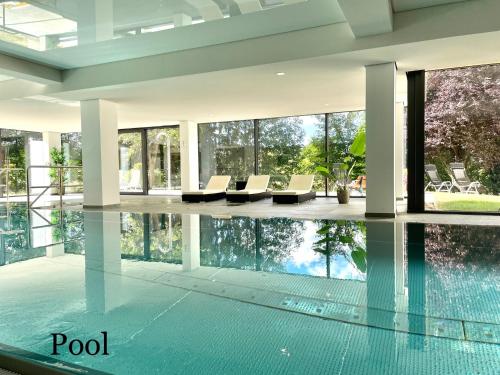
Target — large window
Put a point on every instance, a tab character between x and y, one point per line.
164	160
130	147
282	146
71	144
18	150
226	148
462	132
342	130
292	145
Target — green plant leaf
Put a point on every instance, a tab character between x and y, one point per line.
358	146
359	258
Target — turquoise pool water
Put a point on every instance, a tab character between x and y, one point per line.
182	294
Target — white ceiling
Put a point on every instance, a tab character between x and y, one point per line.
317	85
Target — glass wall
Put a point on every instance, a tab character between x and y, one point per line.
283	146
131	162
226	148
164	160
292	145
342	130
71	146
462	132
16	149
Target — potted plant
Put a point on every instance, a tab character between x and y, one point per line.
341	172
57	159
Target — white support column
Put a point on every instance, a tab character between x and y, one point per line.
100	153
95	21
189	155
400	264
190	242
400	151
102	261
52	139
380	137
182	19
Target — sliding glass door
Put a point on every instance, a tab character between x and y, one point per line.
131	162
164	160
150	161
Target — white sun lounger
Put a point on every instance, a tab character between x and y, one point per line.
216	189
255	189
299	190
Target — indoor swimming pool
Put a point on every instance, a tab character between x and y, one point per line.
188	293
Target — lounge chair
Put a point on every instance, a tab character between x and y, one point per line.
215	190
299	190
255	189
461	181
435	181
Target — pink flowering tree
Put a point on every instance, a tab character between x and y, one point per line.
462	121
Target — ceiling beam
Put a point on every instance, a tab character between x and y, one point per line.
368	17
208	9
248	6
27	70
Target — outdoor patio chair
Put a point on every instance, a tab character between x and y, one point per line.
299	190
255	189
215	190
359	184
435	181
461	181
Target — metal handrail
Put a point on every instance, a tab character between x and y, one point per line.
59	184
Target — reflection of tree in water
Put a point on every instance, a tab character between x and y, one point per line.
246	243
166	238
458	247
228	242
155	237
462	266
15	246
279	238
344	238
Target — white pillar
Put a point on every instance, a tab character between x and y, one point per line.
400	151
102	260
181	19
190	242
100	153
189	155
95	21
400	264
380	136
51	140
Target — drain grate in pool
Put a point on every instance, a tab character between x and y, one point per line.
362	315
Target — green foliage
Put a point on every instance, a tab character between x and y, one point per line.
343	237
342	170
57	159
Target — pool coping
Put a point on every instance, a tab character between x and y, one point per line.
29	363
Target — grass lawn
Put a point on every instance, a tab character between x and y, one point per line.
466	202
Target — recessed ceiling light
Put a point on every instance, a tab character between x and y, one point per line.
326	104
280	73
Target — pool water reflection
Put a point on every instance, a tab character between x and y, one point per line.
131	272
